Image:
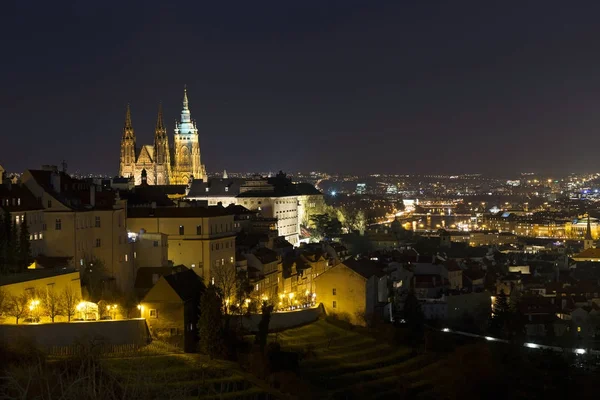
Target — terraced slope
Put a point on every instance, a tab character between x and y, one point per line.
165	373
347	364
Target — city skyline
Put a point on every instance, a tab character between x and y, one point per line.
417	89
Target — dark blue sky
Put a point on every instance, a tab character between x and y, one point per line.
342	86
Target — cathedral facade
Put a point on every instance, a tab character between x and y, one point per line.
159	163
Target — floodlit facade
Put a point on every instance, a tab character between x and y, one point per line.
161	164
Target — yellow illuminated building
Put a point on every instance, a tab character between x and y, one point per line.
200	238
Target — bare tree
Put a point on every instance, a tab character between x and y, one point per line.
3	301
18	306
69	302
51	303
225	278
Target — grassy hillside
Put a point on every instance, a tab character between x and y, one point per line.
162	372
342	363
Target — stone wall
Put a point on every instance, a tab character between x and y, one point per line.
117	332
280	320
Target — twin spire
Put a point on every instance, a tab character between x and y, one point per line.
160	126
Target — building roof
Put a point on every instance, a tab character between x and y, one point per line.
588	253
216	187
74	193
14	198
364	267
187	284
34	274
144	276
265	255
177	212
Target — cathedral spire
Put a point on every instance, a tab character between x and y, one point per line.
128	118
128	127
185	99
160	126
588	232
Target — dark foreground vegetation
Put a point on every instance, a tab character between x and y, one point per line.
328	359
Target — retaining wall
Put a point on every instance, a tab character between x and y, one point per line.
280	320
116	332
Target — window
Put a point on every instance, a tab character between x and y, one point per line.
126	257
198	229
156	243
98	243
97	222
17	219
19	201
174	331
57	224
41	235
334	291
334	304
49	203
181	230
153	313
31	237
135	254
44	227
231	259
218	263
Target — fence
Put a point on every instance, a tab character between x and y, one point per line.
78	349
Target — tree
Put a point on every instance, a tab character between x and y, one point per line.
500	315
18	306
415	320
210	322
51	303
69	301
225	279
93	275
13	245
3	301
326	226
23	253
263	325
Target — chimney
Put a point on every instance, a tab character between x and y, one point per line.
55	181
93	195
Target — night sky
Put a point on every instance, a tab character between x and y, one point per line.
341	86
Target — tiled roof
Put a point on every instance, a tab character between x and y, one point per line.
364	267
588	253
187	284
19	198
177	212
265	256
74	193
144	275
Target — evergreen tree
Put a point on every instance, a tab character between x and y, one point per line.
263	326
415	320
210	323
24	250
500	315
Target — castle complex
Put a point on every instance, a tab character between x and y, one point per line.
159	163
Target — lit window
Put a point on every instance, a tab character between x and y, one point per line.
135	254
126	258
41	235
231	259
181	230
17	219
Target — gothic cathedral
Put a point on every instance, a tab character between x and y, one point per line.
163	165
